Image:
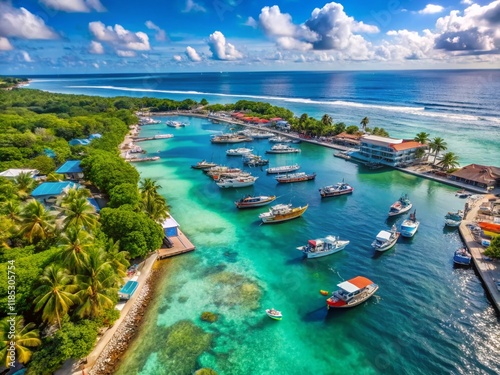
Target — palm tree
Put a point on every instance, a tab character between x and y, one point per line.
6	230
36	221
98	284
11	209
450	160
152	202
78	212
25	337
437	145
75	243
55	295
422	137
118	259
326	120
24	184
364	122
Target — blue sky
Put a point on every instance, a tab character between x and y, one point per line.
103	36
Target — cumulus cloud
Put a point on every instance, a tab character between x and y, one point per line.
21	23
123	41
74	6
96	48
328	28
160	35
95	65
251	22
431	9
407	45
5	44
466	2
26	56
191	6
221	49
177	58
192	54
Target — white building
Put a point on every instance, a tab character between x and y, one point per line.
14	173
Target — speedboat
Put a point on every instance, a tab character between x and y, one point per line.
283	169
239	151
204	165
217	170
230	138
322	247
410	226
401	206
282	149
340	188
462	257
257	201
295	177
282	212
175	124
274	314
254	160
352	293
236	182
453	218
386	239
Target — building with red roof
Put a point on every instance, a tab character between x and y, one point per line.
478	175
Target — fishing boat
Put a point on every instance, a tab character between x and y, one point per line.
462	194
217	170
295	177
280	139
401	206
203	165
254	201
453	218
352	293
236	182
175	124
283	169
282	149
386	239
230	138
254	160
462	257
226	175
282	212
410	226
239	151
274	314
339	188
322	247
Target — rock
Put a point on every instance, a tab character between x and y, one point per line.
208	316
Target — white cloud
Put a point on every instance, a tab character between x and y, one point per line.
5	44
74	6
222	50
21	23
287	42
26	56
251	22
177	58
467	2
191	6
276	24
192	54
431	9
160	35
95	65
122	40
96	48
408	45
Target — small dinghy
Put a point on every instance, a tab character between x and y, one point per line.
274	314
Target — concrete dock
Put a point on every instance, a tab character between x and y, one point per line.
181	245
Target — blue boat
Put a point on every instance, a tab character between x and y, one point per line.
409	226
462	257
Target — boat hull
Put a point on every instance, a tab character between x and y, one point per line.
401	211
298	179
388	246
281	218
226	185
255	204
319	254
409	231
334	193
339	304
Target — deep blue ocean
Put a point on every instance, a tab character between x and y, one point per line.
428	317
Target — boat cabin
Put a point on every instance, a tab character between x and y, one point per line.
384	236
351	288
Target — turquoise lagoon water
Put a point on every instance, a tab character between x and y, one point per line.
427	317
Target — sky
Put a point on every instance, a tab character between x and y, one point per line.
155	36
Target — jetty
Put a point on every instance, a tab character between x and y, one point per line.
487	268
137	160
175	242
155	137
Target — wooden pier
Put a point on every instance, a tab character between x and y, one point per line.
136	160
181	245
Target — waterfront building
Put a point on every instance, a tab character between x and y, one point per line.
478	175
347	139
387	151
71	170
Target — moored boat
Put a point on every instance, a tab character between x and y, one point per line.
217	170
282	212
401	206
254	201
274	314
175	124
340	188
490	227
462	194
203	165
282	149
462	257
295	177
322	247
236	182
280	139
453	218
283	169
230	138
386	239
254	160
409	226
352	292
239	151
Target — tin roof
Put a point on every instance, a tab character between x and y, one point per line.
52	188
71	166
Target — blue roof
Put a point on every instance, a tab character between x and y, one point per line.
50	153
71	166
93	202
79	142
52	188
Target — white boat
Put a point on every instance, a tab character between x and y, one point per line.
282	149
283	169
238	151
175	124
274	314
163	136
409	226
386	239
401	206
282	212
323	246
257	134
453	219
352	293
236	182
339	188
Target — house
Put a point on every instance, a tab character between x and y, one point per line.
347	139
48	192
387	151
170	227
71	170
478	175
13	173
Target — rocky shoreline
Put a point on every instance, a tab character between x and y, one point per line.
109	359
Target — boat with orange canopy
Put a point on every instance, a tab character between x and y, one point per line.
352	293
